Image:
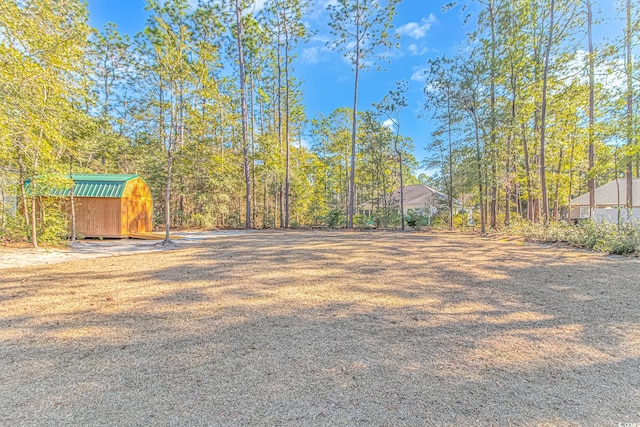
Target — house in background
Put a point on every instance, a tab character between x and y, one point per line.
609	198
112	206
8	195
423	198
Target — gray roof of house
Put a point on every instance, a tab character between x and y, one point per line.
611	193
420	195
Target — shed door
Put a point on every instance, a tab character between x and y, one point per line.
137	216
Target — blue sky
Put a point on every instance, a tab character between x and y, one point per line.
425	32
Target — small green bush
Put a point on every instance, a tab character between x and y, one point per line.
624	239
363	221
386	218
417	219
14	230
199	220
335	218
268	223
53	229
596	236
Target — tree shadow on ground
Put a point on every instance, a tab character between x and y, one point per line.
298	329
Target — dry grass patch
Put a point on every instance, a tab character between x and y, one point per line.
324	328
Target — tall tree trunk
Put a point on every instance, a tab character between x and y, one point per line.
573	144
354	128
591	178
279	124
253	152
517	193
346	186
399	153
630	127
543	118
167	202
34	204
286	129
265	208
23	193
450	195
527	170
509	190
494	148
483	208
556	201
73	202
243	107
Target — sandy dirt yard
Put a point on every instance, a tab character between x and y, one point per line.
324	328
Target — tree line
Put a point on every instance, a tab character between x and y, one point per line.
205	105
531	113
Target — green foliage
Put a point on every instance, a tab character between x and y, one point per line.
53	228
596	236
363	221
15	230
268	223
102	102
199	220
388	217
552	233
416	218
235	221
625	241
460	221
335	218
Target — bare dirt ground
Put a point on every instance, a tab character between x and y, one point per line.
26	256
324	328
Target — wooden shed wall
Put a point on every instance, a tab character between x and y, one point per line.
98	216
137	208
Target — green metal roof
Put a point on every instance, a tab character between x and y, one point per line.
91	185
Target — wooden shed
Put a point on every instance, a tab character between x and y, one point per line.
112	206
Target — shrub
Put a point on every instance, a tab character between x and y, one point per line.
597	236
335	218
14	230
363	221
387	217
234	221
461	220
415	218
53	229
268	222
626	241
199	220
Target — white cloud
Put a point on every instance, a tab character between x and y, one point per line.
416	50
258	5
304	143
609	75
417	30
419	74
311	55
320	38
389	124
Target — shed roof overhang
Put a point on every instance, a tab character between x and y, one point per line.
87	185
